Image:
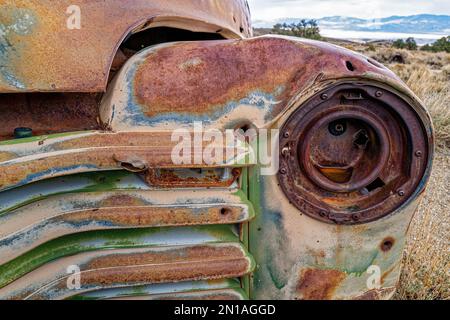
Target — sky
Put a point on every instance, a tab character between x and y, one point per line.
273	9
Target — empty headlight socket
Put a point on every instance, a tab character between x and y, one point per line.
353	156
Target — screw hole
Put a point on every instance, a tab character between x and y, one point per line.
350	66
337	128
387	244
225	211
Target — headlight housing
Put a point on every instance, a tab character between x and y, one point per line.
352	154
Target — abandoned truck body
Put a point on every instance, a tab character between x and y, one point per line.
88	186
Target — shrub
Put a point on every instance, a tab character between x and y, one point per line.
409	44
304	29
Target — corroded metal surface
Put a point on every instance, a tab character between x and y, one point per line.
352	154
115	268
259	83
256	81
47	113
200	178
61	215
39	53
40	158
98	241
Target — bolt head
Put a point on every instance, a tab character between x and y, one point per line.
323	214
285	152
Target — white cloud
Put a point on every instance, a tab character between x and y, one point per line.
273	9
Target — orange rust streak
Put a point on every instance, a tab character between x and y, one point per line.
106	139
46	59
184	255
195	270
315	284
203	77
168	179
158	216
233	70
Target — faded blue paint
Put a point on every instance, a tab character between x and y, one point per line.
87	182
60	171
134	116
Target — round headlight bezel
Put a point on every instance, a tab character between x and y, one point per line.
395	167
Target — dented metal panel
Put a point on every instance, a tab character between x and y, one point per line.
39	52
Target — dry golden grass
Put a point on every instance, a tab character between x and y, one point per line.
428	75
426	270
426	264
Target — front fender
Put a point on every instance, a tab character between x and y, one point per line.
263	83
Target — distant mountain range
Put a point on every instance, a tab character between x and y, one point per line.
417	24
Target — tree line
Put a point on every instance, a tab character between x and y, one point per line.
304	29
440	45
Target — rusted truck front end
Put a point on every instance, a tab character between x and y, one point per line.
313	199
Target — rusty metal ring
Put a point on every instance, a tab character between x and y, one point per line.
388	171
350	113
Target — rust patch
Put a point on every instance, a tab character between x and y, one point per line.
159	216
235	69
352	158
48	113
169	179
45	58
179	264
5	156
315	284
122	200
198	270
184	255
105	153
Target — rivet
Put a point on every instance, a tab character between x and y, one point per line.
419	153
401	193
324	96
356	217
285	152
286	134
283	171
378	94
